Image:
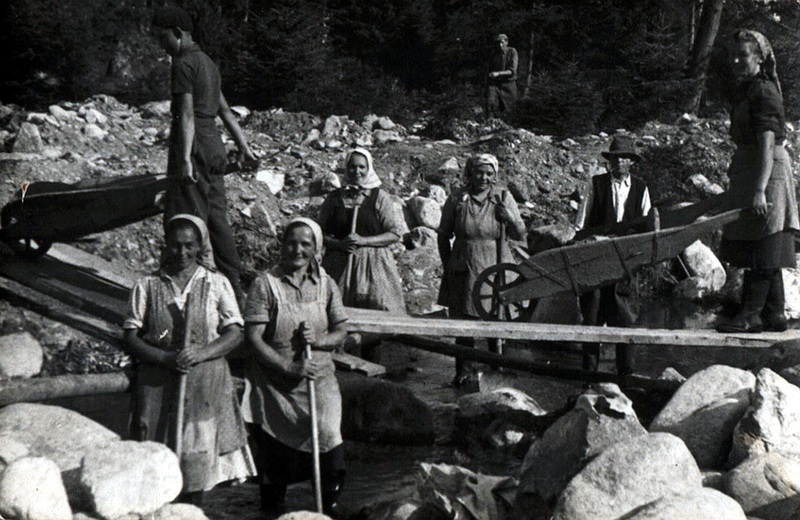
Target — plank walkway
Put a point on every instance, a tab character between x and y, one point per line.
91	294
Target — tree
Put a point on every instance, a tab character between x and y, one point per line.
700	54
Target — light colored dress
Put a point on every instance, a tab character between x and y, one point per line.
214	444
473	221
273	400
375	281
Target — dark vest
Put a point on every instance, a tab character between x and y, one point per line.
367	224
603	213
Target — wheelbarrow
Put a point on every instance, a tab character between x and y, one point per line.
46	212
512	290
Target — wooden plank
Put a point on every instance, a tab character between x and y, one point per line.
349	363
99	267
59	311
384	323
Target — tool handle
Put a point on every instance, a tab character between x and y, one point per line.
312	406
180	398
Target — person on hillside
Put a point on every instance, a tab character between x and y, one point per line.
197	157
473	215
293	305
613	197
760	173
502	77
214	442
374	281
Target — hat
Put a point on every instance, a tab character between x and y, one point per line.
501	37
622	146
169	16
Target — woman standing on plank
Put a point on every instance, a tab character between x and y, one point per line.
761	241
294	304
474	215
214	445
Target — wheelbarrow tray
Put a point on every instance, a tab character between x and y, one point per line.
582	267
58	212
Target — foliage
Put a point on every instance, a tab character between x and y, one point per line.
596	64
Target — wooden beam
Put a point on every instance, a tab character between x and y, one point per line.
349	363
385	323
533	367
70	385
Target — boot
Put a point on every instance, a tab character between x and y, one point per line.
331	488
754	295
273	498
773	315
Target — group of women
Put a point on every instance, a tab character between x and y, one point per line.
301	302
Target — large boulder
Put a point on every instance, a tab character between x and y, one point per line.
381	411
129	477
463	494
33	426
766	485
694	504
596	423
497	418
28	139
31	489
303	515
426	212
772	423
179	512
707	273
628	475
11	449
705	410
20	356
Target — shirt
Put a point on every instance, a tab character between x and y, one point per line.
621	189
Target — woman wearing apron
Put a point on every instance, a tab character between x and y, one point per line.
294	304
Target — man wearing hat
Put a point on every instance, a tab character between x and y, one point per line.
502	78
613	197
197	156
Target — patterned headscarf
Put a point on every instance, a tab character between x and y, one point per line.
206	256
479	160
371	180
315	230
768	66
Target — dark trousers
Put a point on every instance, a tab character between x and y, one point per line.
279	465
206	199
614	307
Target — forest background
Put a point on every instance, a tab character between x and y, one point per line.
585	65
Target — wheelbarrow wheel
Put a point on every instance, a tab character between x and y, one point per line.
486	294
25	247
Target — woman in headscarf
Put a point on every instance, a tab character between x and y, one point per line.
214	443
374	281
294	304
762	240
473	215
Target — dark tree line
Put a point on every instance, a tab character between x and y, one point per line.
594	64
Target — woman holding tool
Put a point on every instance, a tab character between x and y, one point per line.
290	308
479	216
760	174
359	223
211	443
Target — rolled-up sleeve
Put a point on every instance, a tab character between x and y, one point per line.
227	307
260	300
137	306
766	109
336	309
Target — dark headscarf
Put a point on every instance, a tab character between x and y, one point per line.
170	16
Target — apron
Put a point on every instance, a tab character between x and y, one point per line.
280	403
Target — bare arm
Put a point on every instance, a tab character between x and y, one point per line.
185	138
265	354
766	148
229	339
147	353
229	120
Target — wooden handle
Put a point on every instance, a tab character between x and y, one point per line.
180	398
312	406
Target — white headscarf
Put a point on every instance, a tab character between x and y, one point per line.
371	180
206	256
315	230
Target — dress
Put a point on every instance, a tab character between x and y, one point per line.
194	73
473	222
275	402
375	281
753	241
502	91
214	440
